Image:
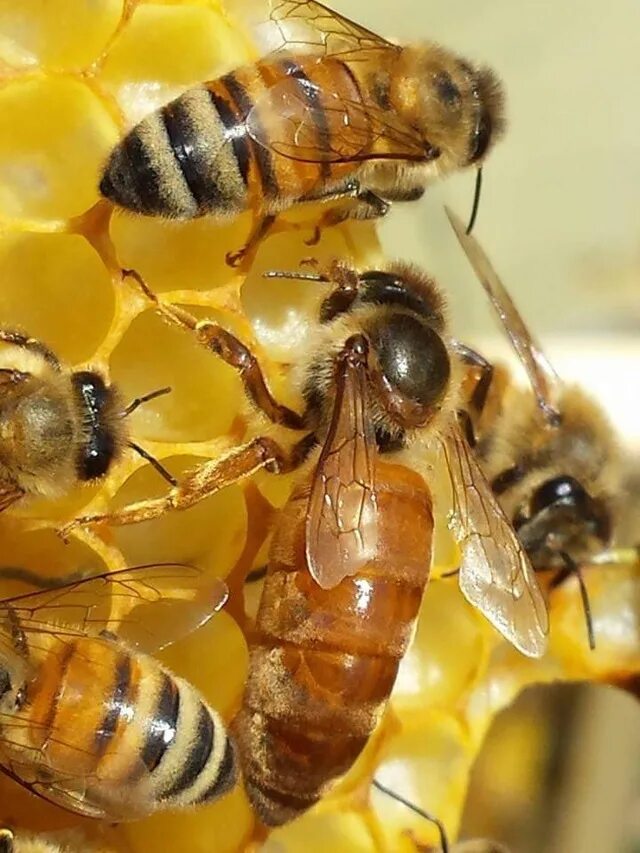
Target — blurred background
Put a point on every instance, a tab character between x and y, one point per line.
560	213
560	219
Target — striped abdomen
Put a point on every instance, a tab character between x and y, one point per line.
324	662
122	732
197	156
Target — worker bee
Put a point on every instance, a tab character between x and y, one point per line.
351	550
58	427
91	721
548	451
332	111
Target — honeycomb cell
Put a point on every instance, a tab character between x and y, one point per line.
446	655
210	535
176	255
223	826
317	833
51	176
164	49
63	34
427	763
281	311
56	288
215	660
613	592
29	554
205	392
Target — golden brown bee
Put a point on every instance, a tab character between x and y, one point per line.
549	451
351	550
58	427
332	111
92	722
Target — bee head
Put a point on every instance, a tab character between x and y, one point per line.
456	107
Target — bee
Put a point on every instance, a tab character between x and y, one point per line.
92	722
351	551
58	427
549	451
332	111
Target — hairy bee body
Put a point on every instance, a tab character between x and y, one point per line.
523	458
113	730
298	128
324	662
196	156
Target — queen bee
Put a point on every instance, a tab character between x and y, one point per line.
351	550
93	723
332	111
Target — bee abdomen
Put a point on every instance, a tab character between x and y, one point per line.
324	661
99	711
198	764
181	161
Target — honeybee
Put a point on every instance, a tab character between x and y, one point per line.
549	451
332	111
58	427
91	721
351	550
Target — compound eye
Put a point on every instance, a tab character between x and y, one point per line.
562	490
447	91
413	358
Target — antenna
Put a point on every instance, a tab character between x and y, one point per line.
476	202
154	462
138	401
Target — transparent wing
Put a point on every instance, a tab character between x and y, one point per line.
495	573
304	26
149	607
298	119
341	525
544	380
86	795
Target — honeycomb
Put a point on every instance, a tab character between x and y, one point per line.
73	76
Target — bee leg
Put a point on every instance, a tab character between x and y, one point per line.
368	206
406	194
469	417
232	351
480	393
258	233
10	336
206	480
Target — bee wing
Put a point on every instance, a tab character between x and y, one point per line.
305	26
495	573
104	800
544	380
341	524
149	607
298	119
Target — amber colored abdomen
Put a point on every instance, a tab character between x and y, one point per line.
324	661
297	130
